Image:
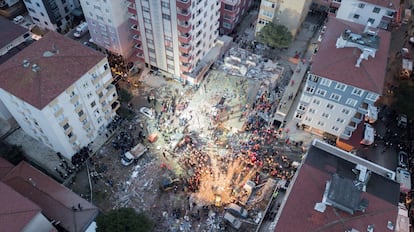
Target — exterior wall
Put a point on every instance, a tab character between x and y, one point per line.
360	12
39	11
38	223
108	25
75	117
229	18
288	13
333	107
174	36
14	43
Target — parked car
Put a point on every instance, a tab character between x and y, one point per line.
232	220
402	159
147	112
18	19
81	30
236	210
402	121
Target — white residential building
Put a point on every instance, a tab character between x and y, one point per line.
108	25
345	80
175	36
52	15
378	13
59	92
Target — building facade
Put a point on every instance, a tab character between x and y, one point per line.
109	26
378	13
288	13
52	15
7	3
175	36
59	92
231	12
345	80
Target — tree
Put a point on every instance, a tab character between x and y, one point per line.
123	220
277	36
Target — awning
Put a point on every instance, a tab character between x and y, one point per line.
369	133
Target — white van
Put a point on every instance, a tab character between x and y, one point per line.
81	30
403	177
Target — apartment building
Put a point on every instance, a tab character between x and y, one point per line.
175	37
109	26
379	13
7	3
52	15
345	80
59	92
231	13
288	13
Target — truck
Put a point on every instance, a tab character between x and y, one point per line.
134	154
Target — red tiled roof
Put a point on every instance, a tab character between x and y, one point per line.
55	199
391	4
298	213
56	74
9	31
339	63
16	211
5	167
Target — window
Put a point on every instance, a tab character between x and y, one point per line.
316	101
302	107
326	82
325	115
321	92
165	4
361	5
299	115
310	89
106	66
335	97
36	19
321	124
30	9
351	102
93	104
309	119
145	9
228	7
340	120
357	91
345	111
340	86
376	10
329	106
335	128
80	113
165	16
313	78
312	111
356	16
66	126
371	20
70	135
89	95
372	97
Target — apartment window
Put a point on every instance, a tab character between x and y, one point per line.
227	25
148	31
345	111
93	104
266	13
89	95
361	5
357	92
321	124
313	78
335	97
371	20
335	128
372	96
28	1
228	7
80	113
165	16
170	57
36	19
326	82
309	119
325	115
37	4
70	135
351	102
312	111
165	4
66	126
329	106
302	107
316	101
145	9
30	9
376	10
340	86
310	89
299	115
356	16
321	92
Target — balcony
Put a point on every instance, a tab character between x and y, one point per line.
131	8
115	105
184	38
351	126
184	48
110	90
133	19
183	15
138	46
74	99
358	116
185	58
136	37
135	27
186	67
82	117
183	4
184	27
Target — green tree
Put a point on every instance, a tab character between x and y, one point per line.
276	36
123	220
